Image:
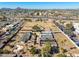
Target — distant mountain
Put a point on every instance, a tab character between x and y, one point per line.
6	9
18	8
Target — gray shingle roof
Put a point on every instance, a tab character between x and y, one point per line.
26	36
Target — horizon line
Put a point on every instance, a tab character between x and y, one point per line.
36	8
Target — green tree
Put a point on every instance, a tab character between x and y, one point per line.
35	40
48	46
69	26
69	31
63	50
45	51
33	50
61	55
1	51
36	28
62	21
28	20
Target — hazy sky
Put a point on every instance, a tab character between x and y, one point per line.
41	5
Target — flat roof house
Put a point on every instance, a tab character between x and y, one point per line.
47	36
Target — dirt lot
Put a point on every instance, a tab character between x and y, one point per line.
61	39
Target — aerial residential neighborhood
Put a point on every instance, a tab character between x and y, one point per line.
26	32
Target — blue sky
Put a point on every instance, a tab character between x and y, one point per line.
41	5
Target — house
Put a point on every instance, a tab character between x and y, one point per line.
8	27
26	37
47	36
76	26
